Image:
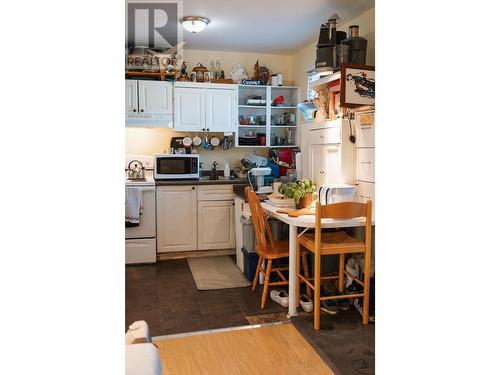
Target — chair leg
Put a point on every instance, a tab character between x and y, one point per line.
366	291
297	287
317	288
266	282
341	272
257	273
305	265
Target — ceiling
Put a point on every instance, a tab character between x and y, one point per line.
281	27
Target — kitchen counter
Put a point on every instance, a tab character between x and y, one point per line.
204	181
239	191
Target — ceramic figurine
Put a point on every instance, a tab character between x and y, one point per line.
184	74
256	71
264	75
238	73
322	103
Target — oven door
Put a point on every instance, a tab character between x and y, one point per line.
178	166
147	221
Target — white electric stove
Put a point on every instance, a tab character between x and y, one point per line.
140	241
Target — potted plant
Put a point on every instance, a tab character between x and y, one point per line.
301	191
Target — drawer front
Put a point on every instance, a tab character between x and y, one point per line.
365	164
325	136
366	191
365	129
140	251
215	193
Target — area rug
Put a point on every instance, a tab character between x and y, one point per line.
275	349
219	272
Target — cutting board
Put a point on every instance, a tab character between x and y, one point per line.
297	213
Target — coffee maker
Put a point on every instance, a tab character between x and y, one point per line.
330	50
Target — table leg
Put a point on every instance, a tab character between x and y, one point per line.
292	273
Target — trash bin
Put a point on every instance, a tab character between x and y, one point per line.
250	260
248	234
278	229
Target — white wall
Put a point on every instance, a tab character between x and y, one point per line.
150	141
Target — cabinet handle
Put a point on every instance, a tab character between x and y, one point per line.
366	162
192	187
208	129
362	196
142	110
135	110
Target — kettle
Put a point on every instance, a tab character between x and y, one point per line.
136	173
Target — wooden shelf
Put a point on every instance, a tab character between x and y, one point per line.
251	126
325	80
283	107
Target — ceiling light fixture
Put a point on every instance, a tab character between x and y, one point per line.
194	24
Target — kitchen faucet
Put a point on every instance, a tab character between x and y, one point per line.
213	171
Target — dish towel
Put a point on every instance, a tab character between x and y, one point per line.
133	205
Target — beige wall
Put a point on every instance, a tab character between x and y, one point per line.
304	60
275	63
150	141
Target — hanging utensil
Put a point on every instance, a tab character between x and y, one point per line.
352	138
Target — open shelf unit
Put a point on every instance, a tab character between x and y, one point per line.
277	123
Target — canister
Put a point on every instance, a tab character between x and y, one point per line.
280	79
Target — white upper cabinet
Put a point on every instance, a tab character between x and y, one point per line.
131	103
189	109
205	107
148	103
220	110
155	97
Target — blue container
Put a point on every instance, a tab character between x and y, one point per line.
249	263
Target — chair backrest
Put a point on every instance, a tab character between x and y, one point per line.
344	210
260	224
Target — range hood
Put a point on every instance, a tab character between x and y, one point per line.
148	120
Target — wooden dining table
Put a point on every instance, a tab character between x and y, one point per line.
304	221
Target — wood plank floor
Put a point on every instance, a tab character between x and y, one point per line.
278	349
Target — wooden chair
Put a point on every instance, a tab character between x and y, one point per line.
338	243
268	249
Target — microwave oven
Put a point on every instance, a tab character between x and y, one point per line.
176	166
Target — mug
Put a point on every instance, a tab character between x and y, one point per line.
196	141
187	142
214	141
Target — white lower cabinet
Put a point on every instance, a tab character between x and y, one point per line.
216	225
190	218
238	229
365	192
176	210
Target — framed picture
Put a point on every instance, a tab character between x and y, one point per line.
357	85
